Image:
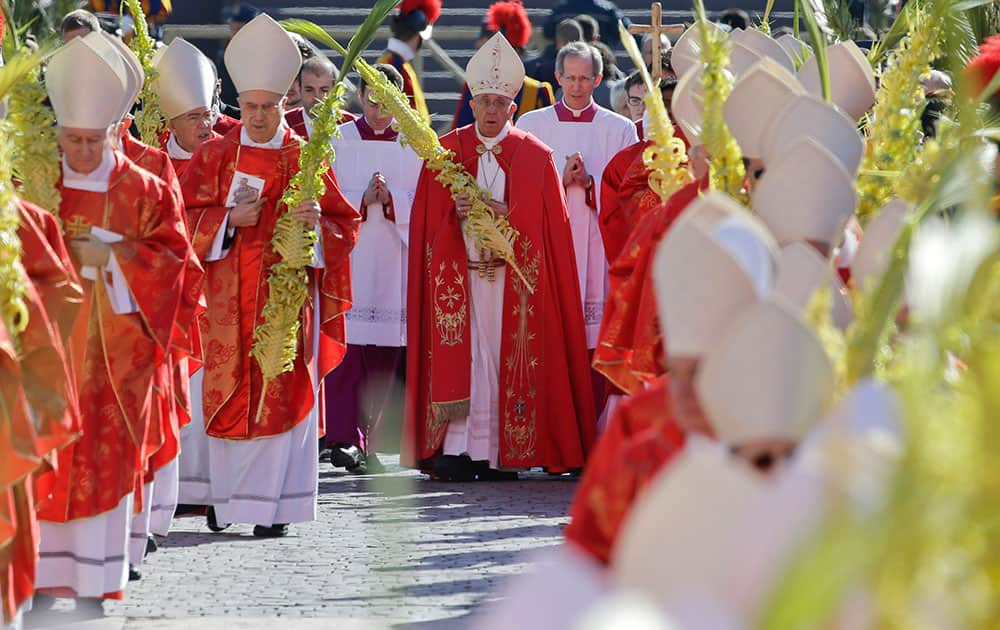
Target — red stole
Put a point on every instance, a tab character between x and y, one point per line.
546	403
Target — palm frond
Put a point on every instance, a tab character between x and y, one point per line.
16	69
819	44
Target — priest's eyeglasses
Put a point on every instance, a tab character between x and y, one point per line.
498	103
259	108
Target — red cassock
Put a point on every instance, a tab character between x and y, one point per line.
172	409
180	165
295	119
641	439
116	356
626	195
630	348
236	288
546	401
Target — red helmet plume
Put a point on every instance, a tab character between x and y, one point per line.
510	18
431	8
986	64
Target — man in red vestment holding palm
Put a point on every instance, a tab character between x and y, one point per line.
498	375
263	446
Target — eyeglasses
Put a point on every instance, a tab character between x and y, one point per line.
635	101
576	79
498	104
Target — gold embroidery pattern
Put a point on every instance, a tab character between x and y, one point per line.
520	389
450	303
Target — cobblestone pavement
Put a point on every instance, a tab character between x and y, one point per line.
394	548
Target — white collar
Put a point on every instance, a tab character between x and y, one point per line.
495	140
401	48
95	181
577	112
273	143
175	150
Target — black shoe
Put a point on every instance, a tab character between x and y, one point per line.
491	474
455	468
346	456
213	523
134	574
187	509
273	531
324	450
375	467
360	469
151	546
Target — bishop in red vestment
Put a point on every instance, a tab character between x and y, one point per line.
232	190
497	374
127	233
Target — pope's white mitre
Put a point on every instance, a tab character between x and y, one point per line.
185	79
875	249
86	81
263	56
496	68
764	45
715	260
134	75
789	392
809	116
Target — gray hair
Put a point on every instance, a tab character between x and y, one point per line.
580	50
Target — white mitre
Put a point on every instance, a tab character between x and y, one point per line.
263	56
852	81
185	79
764	45
86	80
789	391
806	195
496	68
134	75
810	116
714	261
801	272
875	249
755	100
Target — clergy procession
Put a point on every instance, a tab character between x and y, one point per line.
745	299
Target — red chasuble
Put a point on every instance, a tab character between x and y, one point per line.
173	392
236	288
49	380
626	195
546	402
630	350
641	439
116	356
224	124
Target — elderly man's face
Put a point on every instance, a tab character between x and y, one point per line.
193	128
83	148
262	112
577	81
491	111
684	396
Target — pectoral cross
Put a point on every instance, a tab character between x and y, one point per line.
658	29
77	226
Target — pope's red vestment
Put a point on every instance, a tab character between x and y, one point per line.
641	439
546	405
630	348
236	288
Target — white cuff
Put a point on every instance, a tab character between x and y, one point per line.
216	252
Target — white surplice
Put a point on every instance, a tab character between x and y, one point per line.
88	556
379	259
479	434
598	141
270	480
193	475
